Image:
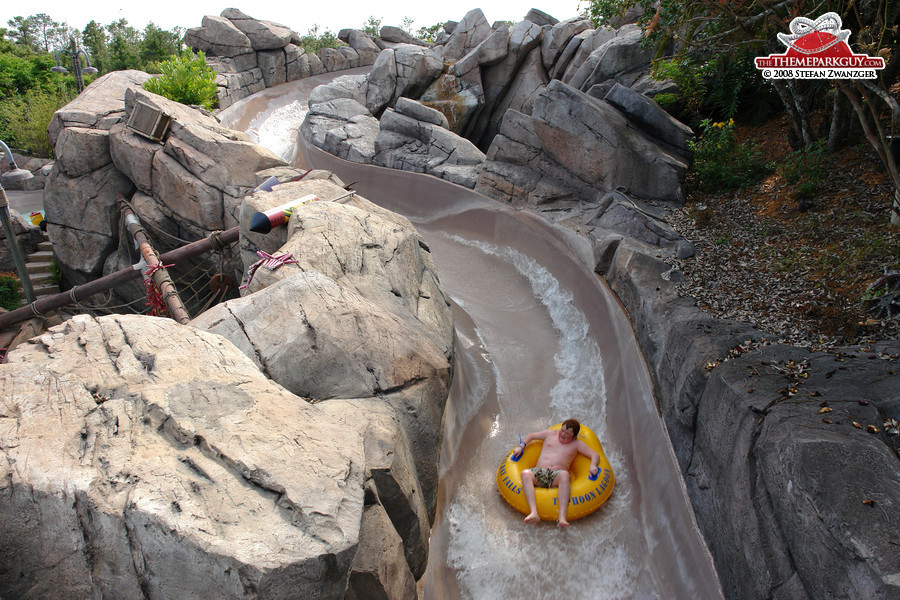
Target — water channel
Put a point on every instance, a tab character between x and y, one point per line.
539	338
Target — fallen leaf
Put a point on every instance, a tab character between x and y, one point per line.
872	429
857	425
825	409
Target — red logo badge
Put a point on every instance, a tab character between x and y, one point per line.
818	50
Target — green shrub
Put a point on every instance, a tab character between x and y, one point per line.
721	163
372	27
805	168
24	119
186	79
312	42
10	299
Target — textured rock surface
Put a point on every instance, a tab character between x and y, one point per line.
252	54
808	494
574	146
145	458
191	184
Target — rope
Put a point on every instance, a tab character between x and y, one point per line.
155	299
270	262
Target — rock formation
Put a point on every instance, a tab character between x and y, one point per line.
251	55
505	91
186	430
184	188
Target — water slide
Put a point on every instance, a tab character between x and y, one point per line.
539	338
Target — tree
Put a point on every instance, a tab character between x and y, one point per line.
702	29
50	35
124	45
158	44
23	32
372	27
93	38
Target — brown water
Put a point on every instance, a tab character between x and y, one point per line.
539	338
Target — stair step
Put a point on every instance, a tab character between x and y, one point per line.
41	255
38	267
45	246
41	278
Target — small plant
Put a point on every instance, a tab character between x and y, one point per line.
312	42
721	162
10	299
805	168
55	272
372	26
185	78
429	34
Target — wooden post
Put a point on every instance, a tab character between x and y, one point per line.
160	276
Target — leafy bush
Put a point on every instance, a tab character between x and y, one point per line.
186	79
10	299
24	119
805	168
372	27
721	163
312	42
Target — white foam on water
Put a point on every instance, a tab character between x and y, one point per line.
493	553
581	390
278	132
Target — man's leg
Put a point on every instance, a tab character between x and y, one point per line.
528	485
562	495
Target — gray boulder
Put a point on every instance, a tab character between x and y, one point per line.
218	36
263	35
471	31
622	54
389	33
423	147
557	38
573	145
497	79
154	462
653	119
417	68
593	39
798	487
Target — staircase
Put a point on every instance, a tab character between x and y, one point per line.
38	266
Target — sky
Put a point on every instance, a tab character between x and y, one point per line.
299	16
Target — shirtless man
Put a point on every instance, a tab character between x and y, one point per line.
552	468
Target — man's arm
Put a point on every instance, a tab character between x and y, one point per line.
537	435
590	453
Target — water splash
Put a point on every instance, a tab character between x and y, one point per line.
278	132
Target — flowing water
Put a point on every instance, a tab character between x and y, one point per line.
539	338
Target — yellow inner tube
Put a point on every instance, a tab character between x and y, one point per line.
587	493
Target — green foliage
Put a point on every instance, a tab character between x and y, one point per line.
372	26
24	119
690	82
124	46
10	299
312	42
186	79
721	163
429	34
805	168
158	45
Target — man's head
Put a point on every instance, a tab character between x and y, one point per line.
569	430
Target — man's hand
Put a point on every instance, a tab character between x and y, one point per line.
594	470
519	449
